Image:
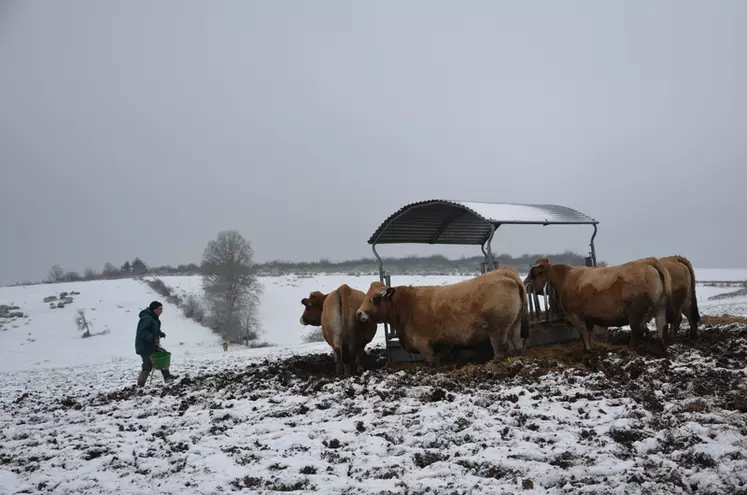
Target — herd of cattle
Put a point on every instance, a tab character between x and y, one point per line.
494	307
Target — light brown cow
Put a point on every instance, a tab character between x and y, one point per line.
683	294
335	313
484	308
627	294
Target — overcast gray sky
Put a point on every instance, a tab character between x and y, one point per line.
143	128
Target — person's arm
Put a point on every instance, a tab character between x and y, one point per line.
151	331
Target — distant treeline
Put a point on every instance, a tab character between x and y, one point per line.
408	265
413	265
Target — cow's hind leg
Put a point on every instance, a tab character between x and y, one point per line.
499	342
688	309
671	330
516	339
661	328
638	314
339	369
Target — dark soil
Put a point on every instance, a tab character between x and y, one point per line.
695	379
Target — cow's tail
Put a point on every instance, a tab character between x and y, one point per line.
524	311
666	279
695	313
347	325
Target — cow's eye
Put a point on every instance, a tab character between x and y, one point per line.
376	300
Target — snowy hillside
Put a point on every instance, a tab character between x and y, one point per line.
277	419
47	337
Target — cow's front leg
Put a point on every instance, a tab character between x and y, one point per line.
429	355
583	330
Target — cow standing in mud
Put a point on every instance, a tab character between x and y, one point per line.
487	307
627	294
335	313
683	294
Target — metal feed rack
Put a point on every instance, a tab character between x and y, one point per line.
450	222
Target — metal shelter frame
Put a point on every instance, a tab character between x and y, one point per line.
449	222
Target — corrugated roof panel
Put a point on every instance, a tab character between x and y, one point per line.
523	213
465	222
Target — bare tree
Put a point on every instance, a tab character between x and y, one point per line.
89	274
110	271
82	322
56	274
231	286
71	277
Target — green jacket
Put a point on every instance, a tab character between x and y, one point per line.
148	332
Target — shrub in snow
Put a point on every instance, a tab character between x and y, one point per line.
193	309
164	290
9	311
315	335
82	323
50	299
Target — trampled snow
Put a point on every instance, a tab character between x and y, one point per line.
243	420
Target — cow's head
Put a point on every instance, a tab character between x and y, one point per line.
528	283
312	311
537	276
377	305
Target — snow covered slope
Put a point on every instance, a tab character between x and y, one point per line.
277	419
48	337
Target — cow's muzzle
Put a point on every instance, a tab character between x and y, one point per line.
303	322
362	316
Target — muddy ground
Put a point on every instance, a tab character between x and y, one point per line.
673	408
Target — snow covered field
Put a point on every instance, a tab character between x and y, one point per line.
276	419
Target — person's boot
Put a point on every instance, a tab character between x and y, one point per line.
167	376
142	378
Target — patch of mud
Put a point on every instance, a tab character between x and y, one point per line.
558	408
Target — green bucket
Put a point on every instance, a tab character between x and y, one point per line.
161	360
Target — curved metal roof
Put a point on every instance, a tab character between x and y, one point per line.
441	221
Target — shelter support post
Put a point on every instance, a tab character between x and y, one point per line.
384	278
381	263
591	245
484	264
487	249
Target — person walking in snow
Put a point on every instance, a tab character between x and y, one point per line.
147	341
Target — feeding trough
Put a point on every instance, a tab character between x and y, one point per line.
449	222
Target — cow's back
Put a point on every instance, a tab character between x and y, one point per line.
463	312
605	287
339	317
332	323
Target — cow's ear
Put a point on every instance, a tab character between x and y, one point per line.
305	301
389	292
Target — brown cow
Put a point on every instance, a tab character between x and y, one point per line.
335	313
487	307
683	294
627	294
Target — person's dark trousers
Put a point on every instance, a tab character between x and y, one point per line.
147	368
